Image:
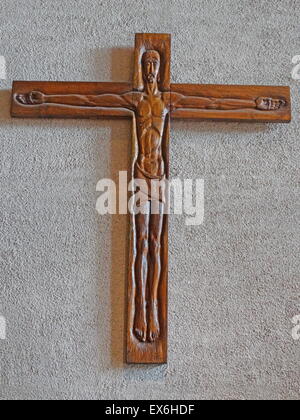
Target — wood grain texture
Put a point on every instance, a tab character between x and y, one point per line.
157	42
155	352
64	111
154	107
252	93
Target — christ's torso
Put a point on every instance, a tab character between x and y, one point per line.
150	119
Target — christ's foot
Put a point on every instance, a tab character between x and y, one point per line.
153	327
269	104
140	323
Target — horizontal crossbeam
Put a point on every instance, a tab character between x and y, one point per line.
229	94
68	88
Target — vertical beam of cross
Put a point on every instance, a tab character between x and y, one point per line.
147	328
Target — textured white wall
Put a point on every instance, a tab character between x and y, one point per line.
234	282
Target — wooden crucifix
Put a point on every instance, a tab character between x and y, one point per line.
151	101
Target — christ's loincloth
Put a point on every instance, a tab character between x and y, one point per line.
153	188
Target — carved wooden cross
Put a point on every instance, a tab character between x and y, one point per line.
151	100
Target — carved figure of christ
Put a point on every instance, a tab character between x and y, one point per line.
152	108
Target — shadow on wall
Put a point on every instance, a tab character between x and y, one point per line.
121	64
5	101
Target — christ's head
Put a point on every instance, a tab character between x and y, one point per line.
151	66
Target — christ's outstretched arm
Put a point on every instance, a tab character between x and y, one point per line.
224	104
104	100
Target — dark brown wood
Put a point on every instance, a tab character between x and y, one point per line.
151	101
48	110
148	269
157	42
277	96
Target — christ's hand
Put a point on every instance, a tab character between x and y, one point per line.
269	104
32	98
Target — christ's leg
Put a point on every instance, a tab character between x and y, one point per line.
155	234
141	272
